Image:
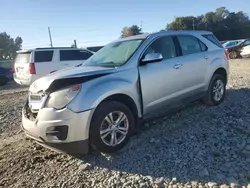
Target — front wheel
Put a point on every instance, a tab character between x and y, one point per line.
111	126
216	90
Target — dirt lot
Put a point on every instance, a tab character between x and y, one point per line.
198	146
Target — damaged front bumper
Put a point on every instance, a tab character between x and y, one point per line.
61	130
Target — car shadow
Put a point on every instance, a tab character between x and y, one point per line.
197	143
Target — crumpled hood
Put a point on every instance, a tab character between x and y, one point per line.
68	76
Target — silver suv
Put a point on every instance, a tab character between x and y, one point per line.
101	102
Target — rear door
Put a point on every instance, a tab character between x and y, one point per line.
193	65
22	62
73	57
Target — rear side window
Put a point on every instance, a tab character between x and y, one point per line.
247	42
43	56
189	45
70	55
213	39
23	57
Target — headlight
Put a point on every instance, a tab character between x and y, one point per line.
61	98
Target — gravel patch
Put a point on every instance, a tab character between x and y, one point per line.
12	87
198	146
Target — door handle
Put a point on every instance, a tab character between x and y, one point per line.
177	66
206	57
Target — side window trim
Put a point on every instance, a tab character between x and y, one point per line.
178	46
200	42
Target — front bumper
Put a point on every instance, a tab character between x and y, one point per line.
41	128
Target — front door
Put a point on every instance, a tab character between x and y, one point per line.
159	79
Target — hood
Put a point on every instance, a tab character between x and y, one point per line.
67	77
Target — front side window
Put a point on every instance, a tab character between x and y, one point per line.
114	54
83	55
164	45
43	56
189	45
74	55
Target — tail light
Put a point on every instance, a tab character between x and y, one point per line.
32	68
12	70
226	53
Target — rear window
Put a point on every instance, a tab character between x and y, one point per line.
23	57
213	39
6	65
67	55
43	56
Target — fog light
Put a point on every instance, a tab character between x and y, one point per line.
61	132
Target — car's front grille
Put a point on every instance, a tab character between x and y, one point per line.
35	97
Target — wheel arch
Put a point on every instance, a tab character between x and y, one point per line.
124	99
222	71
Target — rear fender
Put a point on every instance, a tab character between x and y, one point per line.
214	65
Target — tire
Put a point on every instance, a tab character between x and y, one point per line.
100	121
3	80
233	55
210	98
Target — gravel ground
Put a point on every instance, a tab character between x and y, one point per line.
198	146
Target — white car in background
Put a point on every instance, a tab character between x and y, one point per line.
36	63
245	52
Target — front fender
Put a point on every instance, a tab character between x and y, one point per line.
95	91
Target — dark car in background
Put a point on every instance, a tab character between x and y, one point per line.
234	51
6	71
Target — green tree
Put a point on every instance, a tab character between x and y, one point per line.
9	46
226	25
131	31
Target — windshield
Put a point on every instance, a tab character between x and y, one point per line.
114	54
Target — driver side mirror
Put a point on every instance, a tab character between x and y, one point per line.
152	57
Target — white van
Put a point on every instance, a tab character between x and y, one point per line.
36	63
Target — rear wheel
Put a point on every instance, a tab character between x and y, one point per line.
111	126
3	80
216	90
233	55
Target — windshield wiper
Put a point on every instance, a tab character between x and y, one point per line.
79	65
108	64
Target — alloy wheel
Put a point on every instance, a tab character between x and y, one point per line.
114	128
232	55
218	90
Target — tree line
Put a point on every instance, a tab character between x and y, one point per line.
224	24
9	46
